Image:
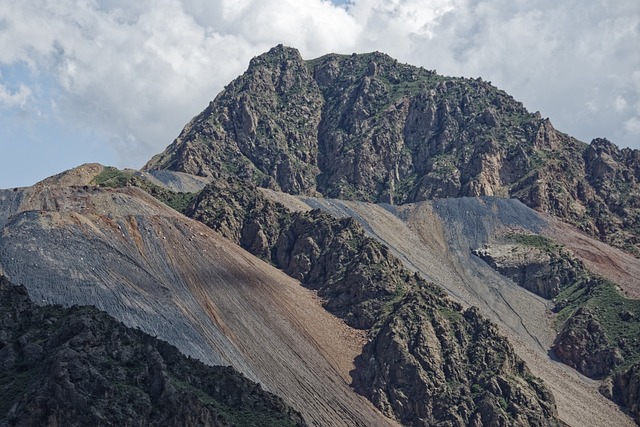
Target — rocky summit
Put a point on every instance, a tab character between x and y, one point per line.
344	241
365	127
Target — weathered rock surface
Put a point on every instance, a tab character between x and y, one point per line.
625	390
433	364
364	127
264	125
363	283
541	269
583	344
79	367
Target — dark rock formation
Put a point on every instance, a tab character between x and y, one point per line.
78	366
428	361
364	127
264	125
431	364
542	268
583	344
625	390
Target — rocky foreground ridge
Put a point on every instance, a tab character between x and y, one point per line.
365	127
78	366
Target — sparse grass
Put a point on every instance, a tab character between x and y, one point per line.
535	241
112	177
115	178
619	316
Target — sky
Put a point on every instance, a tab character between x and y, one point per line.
114	81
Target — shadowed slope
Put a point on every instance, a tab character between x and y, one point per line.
79	366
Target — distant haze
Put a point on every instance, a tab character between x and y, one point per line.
114	81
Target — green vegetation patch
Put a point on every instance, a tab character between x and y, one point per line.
619	316
114	178
535	241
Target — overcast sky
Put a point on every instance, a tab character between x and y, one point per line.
114	81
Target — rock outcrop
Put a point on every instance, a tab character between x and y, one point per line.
365	127
432	363
584	345
624	389
427	361
534	263
79	366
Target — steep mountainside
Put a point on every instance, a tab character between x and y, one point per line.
437	239
78	367
154	269
364	127
428	361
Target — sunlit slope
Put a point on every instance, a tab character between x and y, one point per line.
437	238
174	278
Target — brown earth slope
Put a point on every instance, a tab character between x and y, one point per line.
176	279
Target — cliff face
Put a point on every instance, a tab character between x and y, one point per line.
533	262
364	127
263	126
79	366
625	390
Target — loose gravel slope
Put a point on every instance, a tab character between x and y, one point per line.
436	239
174	278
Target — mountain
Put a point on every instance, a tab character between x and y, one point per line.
356	236
79	366
365	127
368	129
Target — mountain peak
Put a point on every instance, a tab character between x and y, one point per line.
276	55
366	127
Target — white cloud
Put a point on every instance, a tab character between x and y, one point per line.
620	103
633	125
16	98
138	71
